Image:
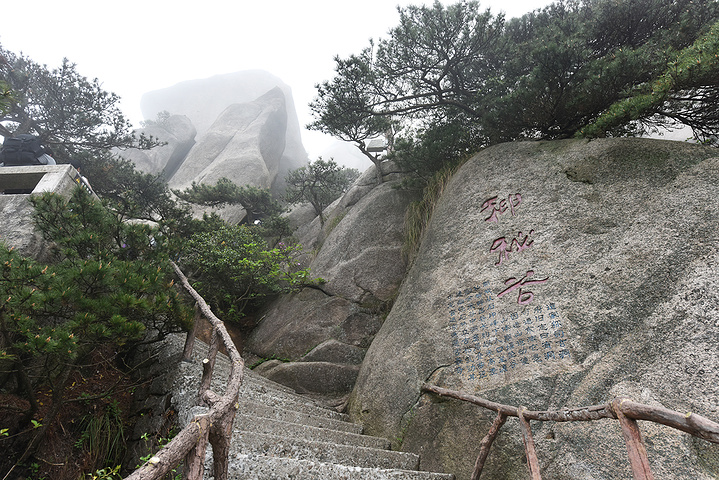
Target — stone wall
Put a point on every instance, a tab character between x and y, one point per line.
16	185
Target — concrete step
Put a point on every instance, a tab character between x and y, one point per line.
262	390
250	385
251	408
259	379
279	434
257	467
250	443
287	404
270	426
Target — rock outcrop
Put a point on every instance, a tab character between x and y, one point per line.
177	135
243	101
555	274
245	144
325	331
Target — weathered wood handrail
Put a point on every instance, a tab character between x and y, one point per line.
215	426
622	409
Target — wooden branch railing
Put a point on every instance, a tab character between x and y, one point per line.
216	425
622	409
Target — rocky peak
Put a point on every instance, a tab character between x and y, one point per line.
204	100
245	144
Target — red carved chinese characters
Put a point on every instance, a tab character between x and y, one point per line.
525	297
504	248
499	208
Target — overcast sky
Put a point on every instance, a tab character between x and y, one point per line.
136	46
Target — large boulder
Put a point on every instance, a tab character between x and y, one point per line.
311	233
177	135
557	274
245	144
362	264
297	324
328	379
204	100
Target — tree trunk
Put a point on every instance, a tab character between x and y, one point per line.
377	160
24	385
58	399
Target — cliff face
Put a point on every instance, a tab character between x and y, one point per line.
256	104
557	274
242	126
326	331
244	144
177	135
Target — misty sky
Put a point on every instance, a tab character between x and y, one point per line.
135	46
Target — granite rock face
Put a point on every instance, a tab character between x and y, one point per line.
244	144
218	104
178	135
361	258
359	255
557	274
203	100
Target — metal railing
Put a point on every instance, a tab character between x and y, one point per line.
624	410
215	426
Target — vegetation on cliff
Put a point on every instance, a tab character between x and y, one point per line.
69	327
106	289
319	183
235	272
546	75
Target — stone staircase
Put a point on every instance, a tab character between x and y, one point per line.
279	434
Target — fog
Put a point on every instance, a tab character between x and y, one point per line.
138	46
